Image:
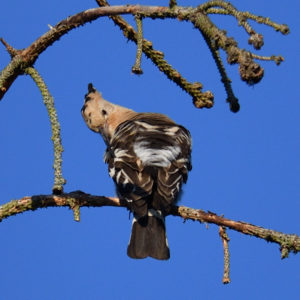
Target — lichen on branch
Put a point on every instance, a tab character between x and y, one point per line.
249	70
287	242
136	69
59	181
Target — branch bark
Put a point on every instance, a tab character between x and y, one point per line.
287	242
250	71
59	181
21	59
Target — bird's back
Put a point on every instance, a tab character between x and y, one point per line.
149	158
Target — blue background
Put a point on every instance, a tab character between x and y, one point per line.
245	165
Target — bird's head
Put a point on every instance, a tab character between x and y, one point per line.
96	110
102	116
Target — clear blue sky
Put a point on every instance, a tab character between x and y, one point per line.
245	166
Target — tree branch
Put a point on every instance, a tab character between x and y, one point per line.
200	99
231	99
59	181
225	240
27	57
287	242
250	71
136	69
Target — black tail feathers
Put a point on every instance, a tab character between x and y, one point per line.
148	237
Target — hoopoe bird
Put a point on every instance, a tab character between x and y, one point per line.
148	157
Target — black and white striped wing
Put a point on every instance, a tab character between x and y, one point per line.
149	159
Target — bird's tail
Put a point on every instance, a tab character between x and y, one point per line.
148	237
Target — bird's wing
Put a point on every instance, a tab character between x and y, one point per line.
149	158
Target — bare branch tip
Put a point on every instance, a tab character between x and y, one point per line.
284	29
3	42
226	280
172	3
278	59
284	252
12	51
257	40
233	104
137	70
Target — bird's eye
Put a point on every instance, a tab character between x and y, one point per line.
104	112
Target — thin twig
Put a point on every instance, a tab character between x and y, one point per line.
172	3
228	9
200	99
283	28
231	98
59	181
12	51
136	69
277	59
225	240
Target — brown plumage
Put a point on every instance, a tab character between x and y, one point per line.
148	157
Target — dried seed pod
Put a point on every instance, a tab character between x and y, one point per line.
257	40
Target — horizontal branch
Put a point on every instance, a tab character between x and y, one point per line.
288	242
21	59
